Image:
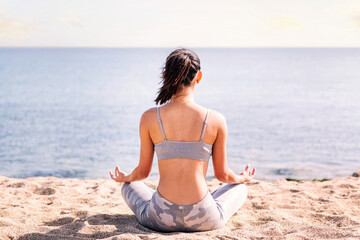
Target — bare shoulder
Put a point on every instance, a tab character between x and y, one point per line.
149	116
218	124
217	118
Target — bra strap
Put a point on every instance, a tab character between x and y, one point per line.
203	130
162	130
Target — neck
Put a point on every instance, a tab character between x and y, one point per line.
182	99
186	95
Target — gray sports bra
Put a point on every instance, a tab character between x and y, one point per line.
183	149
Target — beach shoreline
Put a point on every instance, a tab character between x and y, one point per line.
65	208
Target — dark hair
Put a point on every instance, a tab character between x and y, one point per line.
180	69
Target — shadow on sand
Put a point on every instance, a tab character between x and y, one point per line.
69	227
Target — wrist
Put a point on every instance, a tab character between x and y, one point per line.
128	178
240	179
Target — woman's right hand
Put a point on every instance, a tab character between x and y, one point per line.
120	176
247	175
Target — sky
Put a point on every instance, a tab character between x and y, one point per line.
186	23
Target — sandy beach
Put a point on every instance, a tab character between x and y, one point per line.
55	208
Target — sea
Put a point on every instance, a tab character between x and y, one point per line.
75	112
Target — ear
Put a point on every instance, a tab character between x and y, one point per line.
199	76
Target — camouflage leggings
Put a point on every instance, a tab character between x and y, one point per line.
155	212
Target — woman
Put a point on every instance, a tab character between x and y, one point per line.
184	135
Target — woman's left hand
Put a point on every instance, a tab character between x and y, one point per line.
119	175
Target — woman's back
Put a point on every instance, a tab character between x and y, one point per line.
182	180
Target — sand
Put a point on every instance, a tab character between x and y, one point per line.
55	208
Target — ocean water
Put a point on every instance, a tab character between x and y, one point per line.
75	112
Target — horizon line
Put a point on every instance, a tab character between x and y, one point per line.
124	47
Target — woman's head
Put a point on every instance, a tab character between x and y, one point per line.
179	71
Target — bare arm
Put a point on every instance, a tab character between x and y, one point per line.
221	169
143	169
